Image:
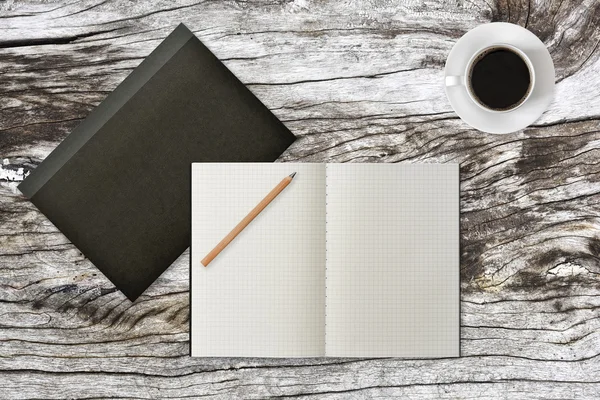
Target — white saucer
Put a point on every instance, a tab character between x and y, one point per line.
528	112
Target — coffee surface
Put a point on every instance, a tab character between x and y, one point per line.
500	79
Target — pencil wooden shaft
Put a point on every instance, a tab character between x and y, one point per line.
247	219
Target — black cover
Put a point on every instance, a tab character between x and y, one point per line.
119	185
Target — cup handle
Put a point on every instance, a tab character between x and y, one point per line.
455	80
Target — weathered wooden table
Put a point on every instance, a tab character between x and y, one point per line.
356	82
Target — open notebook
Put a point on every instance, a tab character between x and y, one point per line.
350	260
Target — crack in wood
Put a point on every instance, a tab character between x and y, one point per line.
58	40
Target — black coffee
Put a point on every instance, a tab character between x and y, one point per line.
500	79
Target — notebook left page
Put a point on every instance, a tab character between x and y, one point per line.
264	294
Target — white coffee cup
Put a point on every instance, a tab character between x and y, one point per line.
461	80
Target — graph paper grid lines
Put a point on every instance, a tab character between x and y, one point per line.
350	260
264	295
392	260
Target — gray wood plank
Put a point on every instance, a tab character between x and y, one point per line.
357	82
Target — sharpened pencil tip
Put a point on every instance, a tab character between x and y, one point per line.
293	175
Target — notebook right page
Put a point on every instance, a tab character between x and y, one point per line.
392	260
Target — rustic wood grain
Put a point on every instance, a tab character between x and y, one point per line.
356	81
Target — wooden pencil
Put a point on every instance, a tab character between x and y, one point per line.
247	219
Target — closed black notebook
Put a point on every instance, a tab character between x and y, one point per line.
118	186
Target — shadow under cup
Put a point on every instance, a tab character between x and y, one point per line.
500	78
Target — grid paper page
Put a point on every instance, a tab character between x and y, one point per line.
264	295
392	260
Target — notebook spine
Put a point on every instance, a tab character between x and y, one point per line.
326	259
